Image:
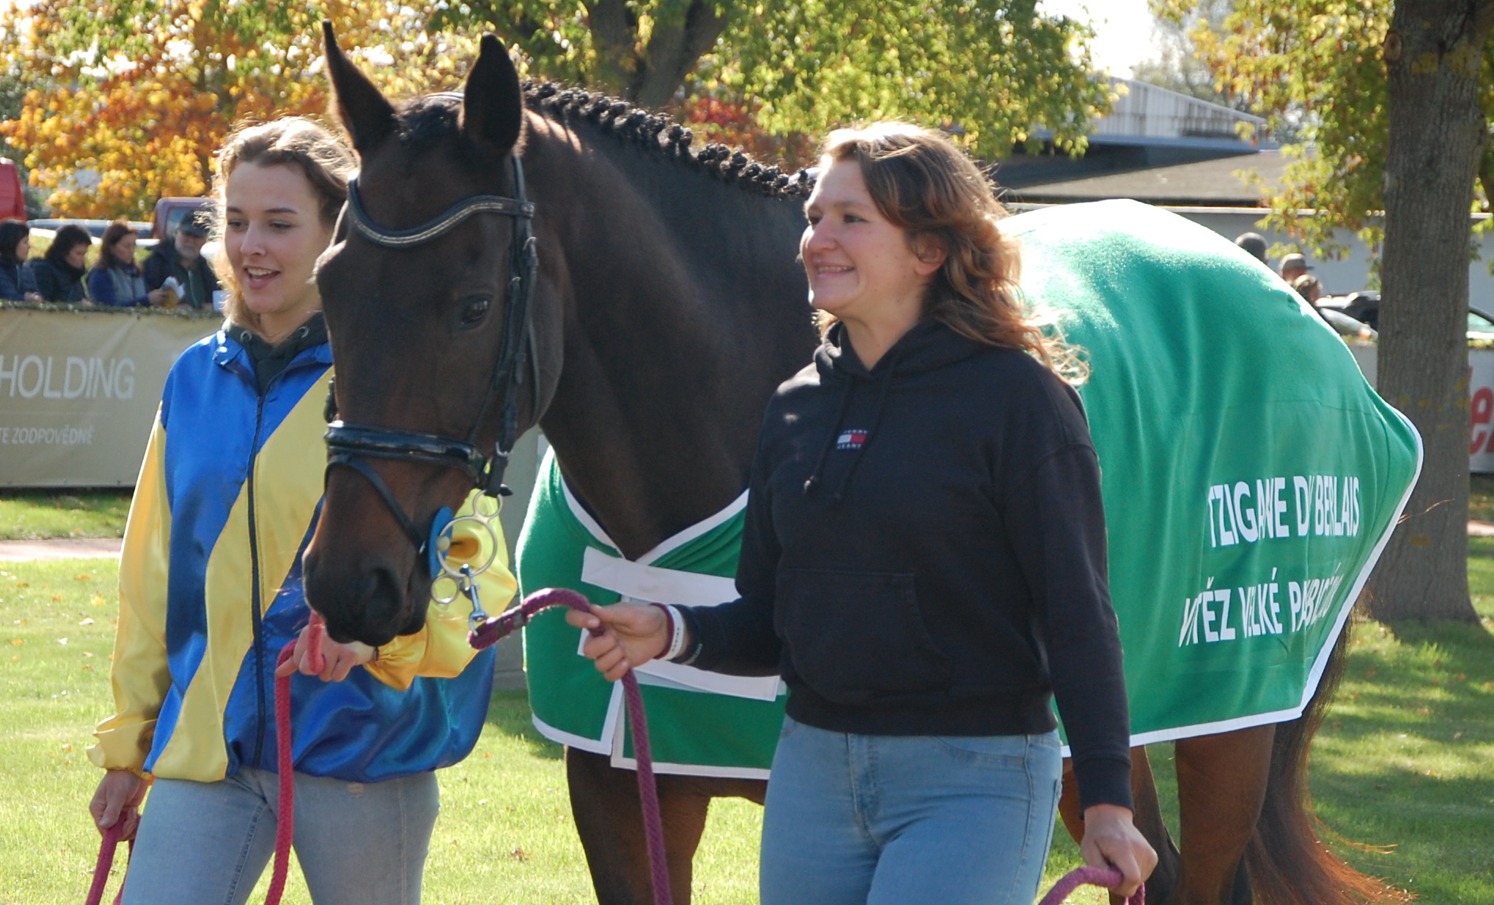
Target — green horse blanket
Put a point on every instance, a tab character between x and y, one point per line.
1251	477
699	723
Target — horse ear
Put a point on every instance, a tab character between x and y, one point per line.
365	113
493	101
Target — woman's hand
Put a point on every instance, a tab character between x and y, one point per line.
633	634
117	801
337	659
1112	840
156	297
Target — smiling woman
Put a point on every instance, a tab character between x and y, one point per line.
273	233
240	421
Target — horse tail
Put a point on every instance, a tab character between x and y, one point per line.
1287	862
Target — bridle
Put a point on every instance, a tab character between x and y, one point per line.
349	444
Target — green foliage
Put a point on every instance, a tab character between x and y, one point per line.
998	73
1313	69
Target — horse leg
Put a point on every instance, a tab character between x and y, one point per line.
1147	815
609	820
1221	786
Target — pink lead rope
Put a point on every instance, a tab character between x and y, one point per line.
485	634
488	631
1107	877
285	829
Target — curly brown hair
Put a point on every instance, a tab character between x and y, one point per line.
925	185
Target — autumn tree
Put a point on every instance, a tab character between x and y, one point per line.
1396	117
127	102
1177	65
995	71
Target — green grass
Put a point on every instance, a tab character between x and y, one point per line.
1402	764
1481	497
34	514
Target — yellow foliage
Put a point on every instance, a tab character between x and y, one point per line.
105	140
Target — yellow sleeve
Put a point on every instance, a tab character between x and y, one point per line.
139	674
441	649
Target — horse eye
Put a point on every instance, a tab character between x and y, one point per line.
475	309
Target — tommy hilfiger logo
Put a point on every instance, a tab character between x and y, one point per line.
855	438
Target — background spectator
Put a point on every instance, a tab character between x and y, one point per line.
1293	266
181	257
59	271
115	278
17	283
1309	287
1254	243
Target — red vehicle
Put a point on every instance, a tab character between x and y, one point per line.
171	211
12	192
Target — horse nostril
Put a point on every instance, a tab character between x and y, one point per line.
367	605
381	606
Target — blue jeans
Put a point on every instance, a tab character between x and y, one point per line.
206	843
878	820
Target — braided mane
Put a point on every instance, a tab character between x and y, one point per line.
424	120
649	130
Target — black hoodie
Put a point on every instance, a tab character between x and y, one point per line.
924	554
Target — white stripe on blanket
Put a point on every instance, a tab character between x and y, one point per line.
651	584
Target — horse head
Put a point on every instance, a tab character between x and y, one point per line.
427	292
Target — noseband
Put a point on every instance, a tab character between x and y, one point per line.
349	444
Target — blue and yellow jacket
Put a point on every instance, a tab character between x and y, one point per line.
211	591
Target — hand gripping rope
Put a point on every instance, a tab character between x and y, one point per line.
1107	877
285	821
488	630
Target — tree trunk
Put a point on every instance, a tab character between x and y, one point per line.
673	50
1432	54
614	32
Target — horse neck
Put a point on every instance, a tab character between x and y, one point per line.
683	308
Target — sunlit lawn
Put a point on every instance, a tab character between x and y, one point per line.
1403	764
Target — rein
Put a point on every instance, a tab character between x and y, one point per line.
348	444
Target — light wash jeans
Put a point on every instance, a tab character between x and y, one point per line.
892	820
206	843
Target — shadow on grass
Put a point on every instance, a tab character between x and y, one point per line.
508	713
1401	764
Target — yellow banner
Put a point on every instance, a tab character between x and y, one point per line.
79	389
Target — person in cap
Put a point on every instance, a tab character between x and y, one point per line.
181	257
1254	243
1293	266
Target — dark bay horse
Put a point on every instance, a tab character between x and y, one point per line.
665	306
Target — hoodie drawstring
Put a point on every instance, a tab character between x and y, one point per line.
884	385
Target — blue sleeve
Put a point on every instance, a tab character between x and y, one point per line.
100	287
8	284
101	290
46	281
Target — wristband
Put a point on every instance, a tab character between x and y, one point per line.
674	630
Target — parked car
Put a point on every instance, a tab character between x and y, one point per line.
171	211
1364	307
12	193
95	227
